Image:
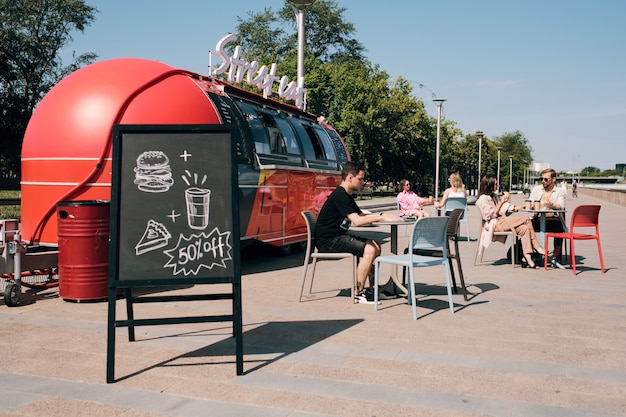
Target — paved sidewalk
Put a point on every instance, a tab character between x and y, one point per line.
527	343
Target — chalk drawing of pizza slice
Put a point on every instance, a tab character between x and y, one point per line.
154	237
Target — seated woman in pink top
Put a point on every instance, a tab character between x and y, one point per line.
409	203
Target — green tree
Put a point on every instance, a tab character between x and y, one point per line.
354	111
465	159
328	36
411	132
590	171
32	33
383	125
612	173
273	37
261	37
515	145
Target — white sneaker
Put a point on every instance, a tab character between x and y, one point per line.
365	296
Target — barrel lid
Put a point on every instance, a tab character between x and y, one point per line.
84	203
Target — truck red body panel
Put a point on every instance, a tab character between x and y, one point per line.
66	154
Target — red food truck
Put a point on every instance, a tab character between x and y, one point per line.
288	159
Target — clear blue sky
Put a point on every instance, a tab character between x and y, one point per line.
554	70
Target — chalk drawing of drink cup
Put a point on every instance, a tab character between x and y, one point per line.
197	207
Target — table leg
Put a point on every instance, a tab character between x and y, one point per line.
562	219
394	250
542	228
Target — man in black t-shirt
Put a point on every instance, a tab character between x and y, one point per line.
332	237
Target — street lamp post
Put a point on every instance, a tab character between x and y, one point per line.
299	7
480	152
439	103
510	172
498	176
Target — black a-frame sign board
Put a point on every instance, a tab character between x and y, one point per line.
174	222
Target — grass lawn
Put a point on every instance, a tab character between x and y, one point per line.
10	212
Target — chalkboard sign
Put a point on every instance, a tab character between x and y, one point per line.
174	199
174	220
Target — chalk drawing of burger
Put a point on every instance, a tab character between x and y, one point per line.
153	173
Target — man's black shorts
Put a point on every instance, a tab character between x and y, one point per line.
342	243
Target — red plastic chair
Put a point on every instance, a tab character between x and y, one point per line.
583	216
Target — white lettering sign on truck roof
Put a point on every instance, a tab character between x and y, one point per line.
254	74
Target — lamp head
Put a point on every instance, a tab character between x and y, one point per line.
439	101
301	4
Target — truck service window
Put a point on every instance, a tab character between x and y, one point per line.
327	143
277	141
288	135
261	142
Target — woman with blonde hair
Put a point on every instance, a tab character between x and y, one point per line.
456	189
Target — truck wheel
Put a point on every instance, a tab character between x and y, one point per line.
11	296
284	250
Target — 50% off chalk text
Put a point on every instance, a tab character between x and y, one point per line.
200	251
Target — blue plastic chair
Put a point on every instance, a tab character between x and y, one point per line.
427	233
454	203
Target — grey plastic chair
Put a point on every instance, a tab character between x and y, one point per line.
312	256
427	233
454	203
452	236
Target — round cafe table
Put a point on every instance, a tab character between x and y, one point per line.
542	214
394	247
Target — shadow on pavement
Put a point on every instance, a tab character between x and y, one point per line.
262	345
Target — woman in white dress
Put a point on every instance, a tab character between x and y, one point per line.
456	189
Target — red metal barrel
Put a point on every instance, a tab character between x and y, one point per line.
83	236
